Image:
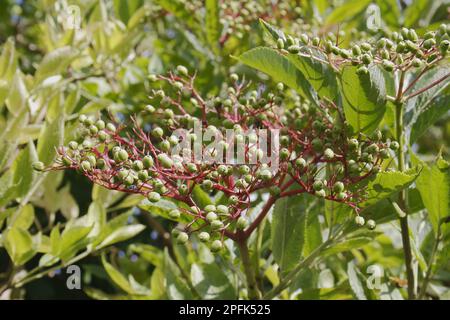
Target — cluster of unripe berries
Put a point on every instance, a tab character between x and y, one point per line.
394	51
137	157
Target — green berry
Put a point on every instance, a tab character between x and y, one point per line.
362	70
86	165
111	127
122	155
318	185
73	145
174	214
338	187
204	236
241	223
300	163
328	154
182	238
221	209
341	196
138	165
153	196
38	166
320	193
157	132
147	161
294	49
366	59
165	160
182	70
265	175
371	224
388	65
216	225
280	43
216	246
394	145
284	154
359	221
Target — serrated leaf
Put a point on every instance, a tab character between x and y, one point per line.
274	32
433	184
211	282
320	75
279	67
363	98
288	233
355	282
386	184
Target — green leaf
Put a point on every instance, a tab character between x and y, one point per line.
55	62
25	217
51	137
121	234
386	184
288	233
320	75
416	10
125	9
435	109
347	11
347	245
274	32
149	253
280	68
364	98
72	241
177	8
19	245
433	184
426	108
212	24
355	282
117	277
24	174
8	60
176	287
18	95
211	282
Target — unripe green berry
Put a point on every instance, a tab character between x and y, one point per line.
216	246
138	165
394	145
153	196
338	187
362	70
82	118
182	70
359	221
86	165
234	199
300	163
241	223
100	124
388	65
157	132
318	185
122	155
210	208
149	108
280	43
366	59
174	214
182	238
73	145
328	154
143	175
207	184
320	193
216	225
147	162
111	127
371	224
265	175
372	149
294	49
165	160
204	236
221	209
93	130
341	196
38	166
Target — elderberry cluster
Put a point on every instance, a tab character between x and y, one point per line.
395	51
309	149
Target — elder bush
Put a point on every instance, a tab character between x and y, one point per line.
225	150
